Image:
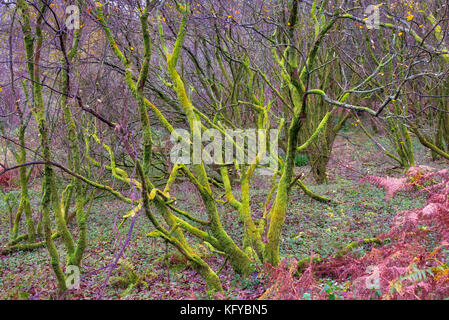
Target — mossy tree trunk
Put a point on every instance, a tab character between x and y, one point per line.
79	191
49	189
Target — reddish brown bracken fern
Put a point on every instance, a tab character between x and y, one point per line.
411	263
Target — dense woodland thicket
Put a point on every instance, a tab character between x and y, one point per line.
95	94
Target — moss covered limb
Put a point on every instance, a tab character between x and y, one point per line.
21	247
14	246
425	142
316	133
312	194
276	217
356	244
144	119
200	234
228	189
17	239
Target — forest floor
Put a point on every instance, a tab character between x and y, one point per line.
311	227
